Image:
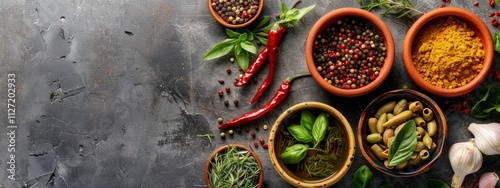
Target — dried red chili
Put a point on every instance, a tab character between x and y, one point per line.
278	97
259	61
272	45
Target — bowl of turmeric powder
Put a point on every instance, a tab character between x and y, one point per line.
448	52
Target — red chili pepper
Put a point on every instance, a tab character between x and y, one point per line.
278	97
259	61
272	45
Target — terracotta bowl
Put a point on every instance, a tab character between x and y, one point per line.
438	139
240	147
234	26
481	31
346	149
333	17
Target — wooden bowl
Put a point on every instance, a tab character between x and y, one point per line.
475	23
328	20
240	147
347	147
396	95
234	26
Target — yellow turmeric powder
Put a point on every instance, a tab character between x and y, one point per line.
447	53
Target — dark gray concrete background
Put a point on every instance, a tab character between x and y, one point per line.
113	93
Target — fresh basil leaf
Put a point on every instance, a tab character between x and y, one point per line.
497	42
403	144
249	35
232	34
300	133
362	178
262	22
488	103
294	154
320	127
237	49
261	34
301	13
435	183
242	37
220	49
307	120
261	39
242	59
249	47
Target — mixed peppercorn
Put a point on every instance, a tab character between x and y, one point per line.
350	53
236	11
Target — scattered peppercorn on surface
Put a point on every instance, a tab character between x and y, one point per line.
447	53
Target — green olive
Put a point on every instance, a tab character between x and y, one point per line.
374	138
414	159
419	121
427	114
401	106
372	125
379	152
427	140
386	108
400	118
432	127
415	106
381	120
424	154
420	146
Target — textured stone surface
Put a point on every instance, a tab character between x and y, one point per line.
113	93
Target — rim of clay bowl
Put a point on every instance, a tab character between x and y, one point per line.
240	147
235	26
475	23
330	180
327	20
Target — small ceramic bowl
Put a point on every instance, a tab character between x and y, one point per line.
475	23
439	138
345	150
223	22
331	18
239	147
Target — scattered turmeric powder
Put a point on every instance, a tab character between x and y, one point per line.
447	53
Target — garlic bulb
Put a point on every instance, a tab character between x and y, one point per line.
487	137
465	158
488	180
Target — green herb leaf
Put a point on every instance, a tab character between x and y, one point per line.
262	22
435	183
497	42
362	178
292	16
249	47
403	144
249	35
242	59
498	1
294	154
300	133
232	34
320	128
243	37
261	39
284	10
220	49
307	120
237	49
488	104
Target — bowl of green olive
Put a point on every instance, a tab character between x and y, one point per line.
402	133
311	144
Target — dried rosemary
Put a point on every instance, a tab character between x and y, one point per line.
234	168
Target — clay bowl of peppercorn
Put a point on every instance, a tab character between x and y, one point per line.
235	14
234	160
448	51
349	52
311	144
402	133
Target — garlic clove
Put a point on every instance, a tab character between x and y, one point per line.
465	158
487	137
488	180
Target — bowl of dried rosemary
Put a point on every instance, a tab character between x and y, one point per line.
311	144
234	165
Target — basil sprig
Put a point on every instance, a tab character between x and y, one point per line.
403	144
241	43
488	104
